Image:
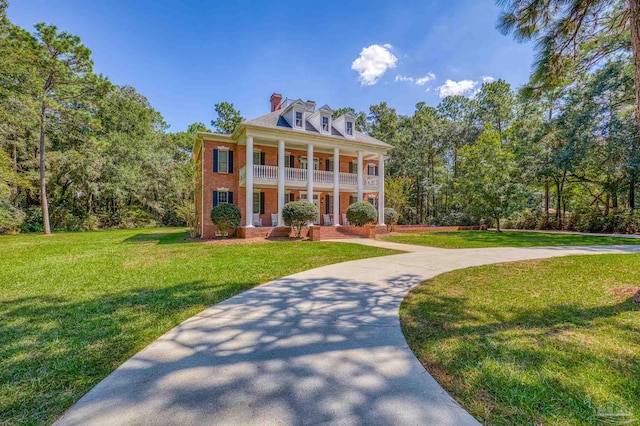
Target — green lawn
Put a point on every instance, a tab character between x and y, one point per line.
75	306
553	341
479	239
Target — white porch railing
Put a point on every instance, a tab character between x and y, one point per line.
348	179
322	176
300	175
295	175
265	172
370	180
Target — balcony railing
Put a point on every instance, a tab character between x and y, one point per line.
270	173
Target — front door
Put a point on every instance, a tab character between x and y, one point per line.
316	201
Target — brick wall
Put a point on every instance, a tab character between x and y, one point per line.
214	181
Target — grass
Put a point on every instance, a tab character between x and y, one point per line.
553	341
75	306
480	239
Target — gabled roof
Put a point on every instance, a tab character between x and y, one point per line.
324	108
274	120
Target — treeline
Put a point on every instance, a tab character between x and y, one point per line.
76	151
562	152
562	159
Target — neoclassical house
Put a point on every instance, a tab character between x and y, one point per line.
296	152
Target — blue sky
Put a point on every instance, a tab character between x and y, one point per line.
185	56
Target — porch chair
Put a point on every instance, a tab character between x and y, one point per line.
256	220
327	219
345	222
274	219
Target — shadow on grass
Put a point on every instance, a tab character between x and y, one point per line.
158	238
526	366
52	351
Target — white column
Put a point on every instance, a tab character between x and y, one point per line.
336	186
360	177
310	173
248	220
280	181
381	190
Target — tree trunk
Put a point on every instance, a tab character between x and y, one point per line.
546	198
634	8
558	205
43	183
498	224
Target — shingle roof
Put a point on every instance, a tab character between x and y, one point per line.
274	120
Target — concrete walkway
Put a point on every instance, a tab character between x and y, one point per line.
322	346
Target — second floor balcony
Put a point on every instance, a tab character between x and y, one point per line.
293	177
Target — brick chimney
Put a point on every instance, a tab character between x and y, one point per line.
311	106
276	101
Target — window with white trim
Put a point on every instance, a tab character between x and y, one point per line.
329	165
372	169
223	197
316	163
256	202
223	161
288	160
298	119
325	124
349	127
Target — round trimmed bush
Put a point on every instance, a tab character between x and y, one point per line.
390	216
298	213
226	217
360	213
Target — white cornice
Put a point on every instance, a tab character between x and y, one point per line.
321	140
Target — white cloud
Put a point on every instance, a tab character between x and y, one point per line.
453	88
373	62
488	79
404	78
420	81
424	80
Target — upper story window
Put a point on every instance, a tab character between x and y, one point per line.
325	124
223	161
329	165
372	169
298	119
289	160
349	128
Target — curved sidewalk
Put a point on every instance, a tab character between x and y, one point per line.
321	346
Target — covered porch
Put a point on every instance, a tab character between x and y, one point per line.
265	212
278	171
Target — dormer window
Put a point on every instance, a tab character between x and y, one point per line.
298	119
349	128
325	124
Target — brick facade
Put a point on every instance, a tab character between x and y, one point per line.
209	181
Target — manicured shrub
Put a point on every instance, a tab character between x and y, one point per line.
226	217
360	213
298	213
390	216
